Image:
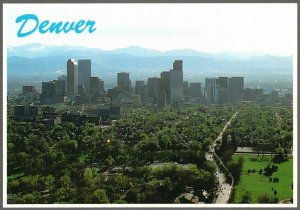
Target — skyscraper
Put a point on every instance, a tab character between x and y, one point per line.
60	87
140	89
29	93
154	86
95	86
210	89
185	88
72	77
165	84
176	83
177	65
124	83
64	78
195	89
28	89
84	73
161	99
236	88
48	92
223	82
222	91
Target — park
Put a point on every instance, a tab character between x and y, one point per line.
255	185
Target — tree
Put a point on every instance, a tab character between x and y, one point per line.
265	198
99	196
246	198
132	196
279	155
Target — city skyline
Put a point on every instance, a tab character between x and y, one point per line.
212	28
170	89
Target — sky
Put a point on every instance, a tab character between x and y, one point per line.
216	28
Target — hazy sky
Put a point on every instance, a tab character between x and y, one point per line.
266	28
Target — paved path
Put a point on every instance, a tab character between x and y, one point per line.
224	190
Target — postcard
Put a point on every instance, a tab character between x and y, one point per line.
149	105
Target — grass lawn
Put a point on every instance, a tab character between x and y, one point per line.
258	184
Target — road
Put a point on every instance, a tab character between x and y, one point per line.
224	189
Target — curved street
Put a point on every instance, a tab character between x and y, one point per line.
224	188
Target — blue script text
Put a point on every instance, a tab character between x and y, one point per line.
55	27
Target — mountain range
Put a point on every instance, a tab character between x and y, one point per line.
36	62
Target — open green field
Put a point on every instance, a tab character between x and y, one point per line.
258	184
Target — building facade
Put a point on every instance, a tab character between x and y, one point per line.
72	77
84	74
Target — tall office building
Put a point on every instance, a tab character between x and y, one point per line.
95	86
222	91
154	86
28	89
223	82
176	83
195	90
161	99
140	89
165	84
177	65
29	93
185	88
222	95
210	89
101	86
124	83
64	78
25	112
84	74
60	90
48	92
236	88
60	87
72	77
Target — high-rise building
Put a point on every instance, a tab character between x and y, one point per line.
72	77
161	99
165	85
64	78
210	89
222	95
140	89
124	83
177	65
176	83
29	93
185	88
236	88
97	87
154	86
223	82
25	112
60	90
28	89
101	86
48	92
60	87
81	90
222	91
195	89
84	73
